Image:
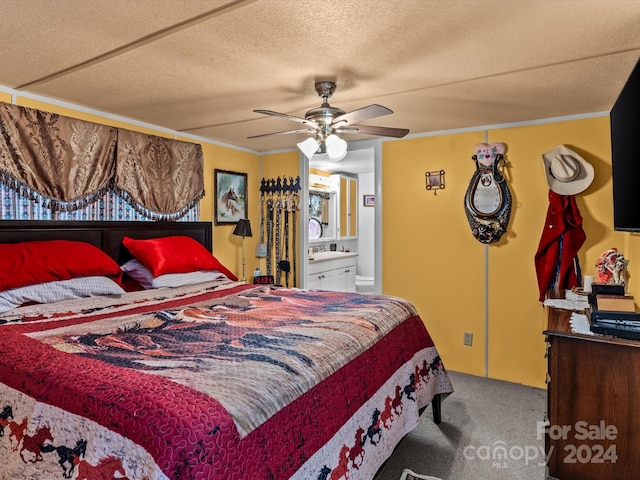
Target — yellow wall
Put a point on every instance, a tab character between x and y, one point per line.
317	171
631	251
227	247
444	273
284	164
428	253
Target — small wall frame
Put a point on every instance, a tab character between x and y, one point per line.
434	180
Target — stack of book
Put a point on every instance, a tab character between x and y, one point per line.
615	303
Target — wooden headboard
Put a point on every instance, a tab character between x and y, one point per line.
105	235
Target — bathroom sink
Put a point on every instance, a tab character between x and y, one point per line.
331	255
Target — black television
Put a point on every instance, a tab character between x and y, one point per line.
625	154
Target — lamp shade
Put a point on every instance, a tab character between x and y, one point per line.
243	228
309	147
336	147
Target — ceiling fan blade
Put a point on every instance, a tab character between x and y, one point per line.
310	123
302	130
371	130
361	114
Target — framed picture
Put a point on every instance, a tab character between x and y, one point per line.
230	204
369	200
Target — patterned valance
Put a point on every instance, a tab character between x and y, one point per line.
65	164
160	174
66	161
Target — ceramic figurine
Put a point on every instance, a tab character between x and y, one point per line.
611	267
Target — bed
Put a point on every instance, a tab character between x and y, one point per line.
215	379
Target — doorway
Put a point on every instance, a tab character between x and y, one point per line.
364	159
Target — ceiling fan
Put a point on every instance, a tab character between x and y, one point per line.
326	122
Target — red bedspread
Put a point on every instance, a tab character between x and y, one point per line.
229	381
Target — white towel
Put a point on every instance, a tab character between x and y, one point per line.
580	324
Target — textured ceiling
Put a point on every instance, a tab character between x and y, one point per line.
202	66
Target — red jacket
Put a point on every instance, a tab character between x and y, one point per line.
556	259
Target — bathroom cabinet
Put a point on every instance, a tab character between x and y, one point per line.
334	271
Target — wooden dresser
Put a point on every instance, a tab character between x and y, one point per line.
593	404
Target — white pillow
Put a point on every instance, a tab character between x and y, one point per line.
51	292
143	276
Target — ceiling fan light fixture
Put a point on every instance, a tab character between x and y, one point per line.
325	121
336	147
309	147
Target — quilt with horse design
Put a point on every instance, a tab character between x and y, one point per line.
222	380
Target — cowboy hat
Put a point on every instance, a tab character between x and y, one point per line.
567	172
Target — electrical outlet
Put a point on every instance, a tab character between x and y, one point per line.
468	338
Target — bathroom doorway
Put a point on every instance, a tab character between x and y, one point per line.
364	160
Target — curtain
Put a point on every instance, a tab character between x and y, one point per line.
159	174
110	206
67	162
64	164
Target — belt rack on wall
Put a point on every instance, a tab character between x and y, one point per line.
279	204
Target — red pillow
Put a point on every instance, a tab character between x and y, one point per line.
30	263
177	254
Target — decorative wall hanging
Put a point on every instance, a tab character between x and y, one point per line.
279	200
487	202
230	201
435	181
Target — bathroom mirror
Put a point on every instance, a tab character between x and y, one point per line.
322	215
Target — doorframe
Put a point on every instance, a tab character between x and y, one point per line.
376	145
